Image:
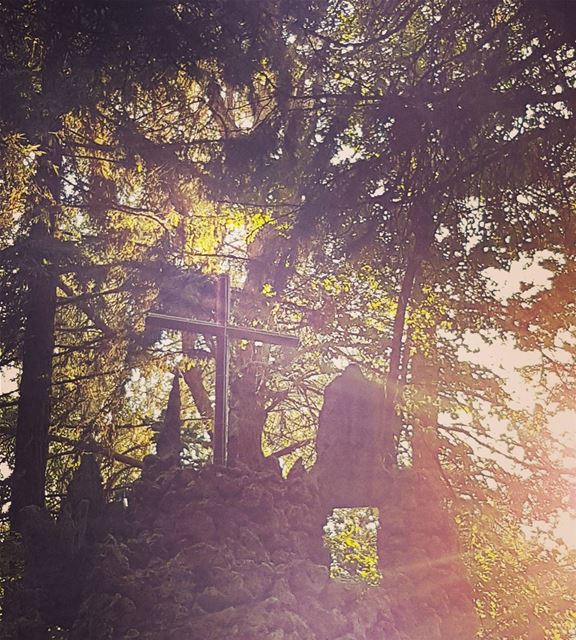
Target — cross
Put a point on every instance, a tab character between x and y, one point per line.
223	332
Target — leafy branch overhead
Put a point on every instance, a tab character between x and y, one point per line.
374	176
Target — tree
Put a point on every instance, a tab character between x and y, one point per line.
357	167
92	95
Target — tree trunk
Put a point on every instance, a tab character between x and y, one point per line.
391	420
273	258
425	445
424	235
248	415
194	378
32	426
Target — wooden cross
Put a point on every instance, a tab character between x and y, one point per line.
223	333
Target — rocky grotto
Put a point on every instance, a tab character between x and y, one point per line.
237	553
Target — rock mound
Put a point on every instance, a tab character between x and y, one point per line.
236	554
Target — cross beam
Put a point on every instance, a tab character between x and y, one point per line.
223	333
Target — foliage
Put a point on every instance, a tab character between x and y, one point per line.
360	168
351	539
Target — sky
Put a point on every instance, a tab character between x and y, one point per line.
502	357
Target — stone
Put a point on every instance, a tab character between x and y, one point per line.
352	442
169	439
201	560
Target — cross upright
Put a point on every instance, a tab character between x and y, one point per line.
223	332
